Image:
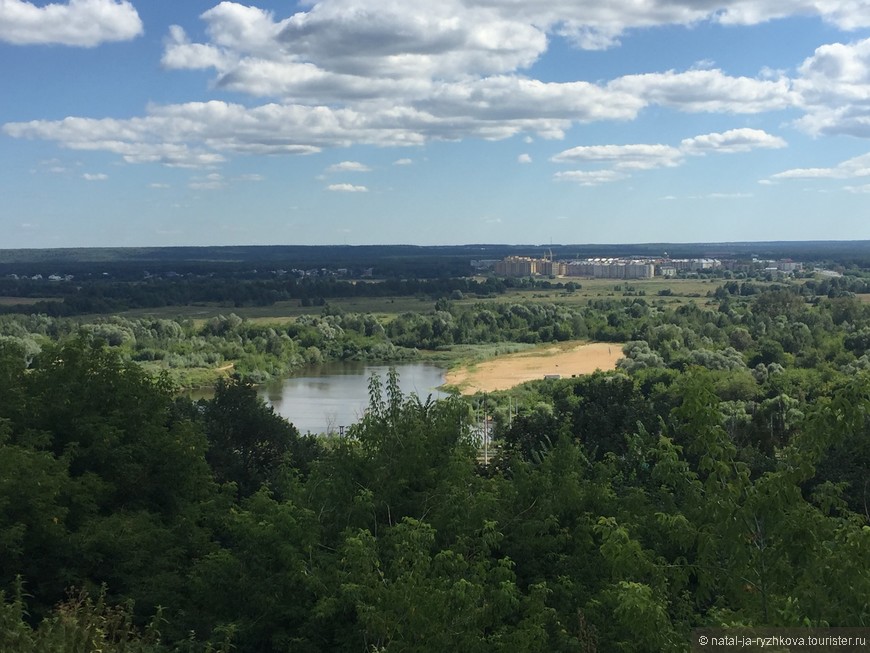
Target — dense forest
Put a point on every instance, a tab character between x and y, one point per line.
718	477
426	261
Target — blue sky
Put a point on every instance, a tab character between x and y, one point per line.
406	121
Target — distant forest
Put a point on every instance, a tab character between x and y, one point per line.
68	282
393	260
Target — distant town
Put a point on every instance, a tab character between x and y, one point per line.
629	268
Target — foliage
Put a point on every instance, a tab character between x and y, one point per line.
718	478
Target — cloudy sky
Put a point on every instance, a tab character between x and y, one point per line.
412	121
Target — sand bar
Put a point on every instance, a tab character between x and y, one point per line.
564	359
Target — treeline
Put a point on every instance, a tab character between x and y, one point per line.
768	326
831	287
258	352
106	296
98	295
129	262
404	259
622	510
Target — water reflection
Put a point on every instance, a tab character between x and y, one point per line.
334	396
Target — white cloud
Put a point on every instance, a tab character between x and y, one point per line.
551	105
846	14
641	156
834	87
137	140
99	176
84	23
347	188
636	157
809	173
734	140
728	196
708	91
240	27
856	167
590	177
212	181
349	166
159	185
345	72
402	162
524	158
595	25
453	69
181	54
397	39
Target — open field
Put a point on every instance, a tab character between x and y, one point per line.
565	359
286	311
12	301
682	291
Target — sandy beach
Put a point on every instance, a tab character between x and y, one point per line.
564	359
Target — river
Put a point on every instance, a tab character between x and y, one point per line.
335	395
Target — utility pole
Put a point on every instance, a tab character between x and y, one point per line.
485	434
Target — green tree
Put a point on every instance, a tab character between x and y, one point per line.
249	444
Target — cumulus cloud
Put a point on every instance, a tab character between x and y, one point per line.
393	39
199	134
181	54
349	166
641	156
524	158
597	25
728	196
834	88
590	177
347	188
453	70
402	162
845	14
196	134
734	140
213	181
856	167
83	23
99	176
547	107
708	91
344	72
638	156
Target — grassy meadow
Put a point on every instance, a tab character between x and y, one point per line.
682	291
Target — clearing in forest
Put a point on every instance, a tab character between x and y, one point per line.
565	359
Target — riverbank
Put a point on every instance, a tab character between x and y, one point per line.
564	359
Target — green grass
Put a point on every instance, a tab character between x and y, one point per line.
12	301
463	355
682	291
386	308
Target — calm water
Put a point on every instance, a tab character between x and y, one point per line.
335	395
